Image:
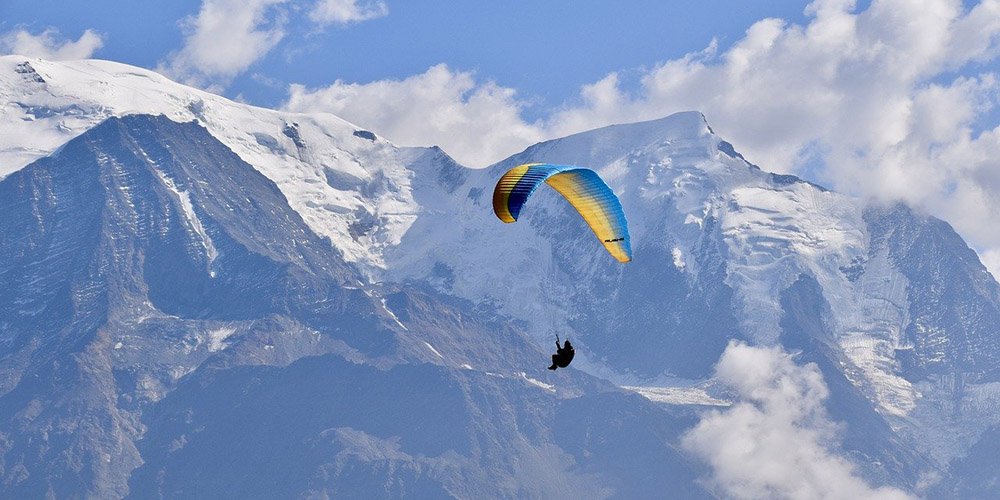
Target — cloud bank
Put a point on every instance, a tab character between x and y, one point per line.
49	44
776	441
886	102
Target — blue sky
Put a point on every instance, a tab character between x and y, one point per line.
888	99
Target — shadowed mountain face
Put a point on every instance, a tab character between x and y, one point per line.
119	253
954	300
170	327
326	426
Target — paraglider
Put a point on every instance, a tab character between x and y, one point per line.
588	194
563	356
582	187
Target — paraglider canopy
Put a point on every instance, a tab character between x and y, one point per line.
582	187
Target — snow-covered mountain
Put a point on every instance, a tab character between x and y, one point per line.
186	281
339	178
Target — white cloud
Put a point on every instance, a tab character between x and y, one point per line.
470	121
991	259
974	36
224	39
776	441
49	44
884	99
347	11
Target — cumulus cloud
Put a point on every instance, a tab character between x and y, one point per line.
326	12
49	44
471	121
776	441
883	102
224	39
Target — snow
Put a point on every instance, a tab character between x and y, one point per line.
536	382
216	338
873	321
395	318
677	395
193	222
678	255
774	235
435	351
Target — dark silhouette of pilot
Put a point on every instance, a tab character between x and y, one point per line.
563	356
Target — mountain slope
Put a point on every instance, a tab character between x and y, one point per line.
127	246
166	311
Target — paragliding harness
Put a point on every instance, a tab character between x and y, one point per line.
563	356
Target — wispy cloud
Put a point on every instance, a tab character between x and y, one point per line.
50	44
881	102
224	39
776	441
326	12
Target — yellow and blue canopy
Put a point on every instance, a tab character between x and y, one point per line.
582	187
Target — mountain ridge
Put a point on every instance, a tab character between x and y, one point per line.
224	245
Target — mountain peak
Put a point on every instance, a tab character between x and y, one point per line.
603	145
681	125
675	126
